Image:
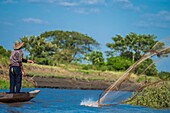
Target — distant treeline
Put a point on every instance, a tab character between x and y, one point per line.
56	47
4	56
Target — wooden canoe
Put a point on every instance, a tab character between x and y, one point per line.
17	97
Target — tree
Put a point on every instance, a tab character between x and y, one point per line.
164	75
96	57
54	47
131	46
151	71
40	50
4	56
71	45
4	52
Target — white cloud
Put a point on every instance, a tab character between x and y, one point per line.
82	6
92	2
85	4
69	2
65	3
9	1
78	6
161	15
43	1
86	10
166	15
125	4
79	2
5	23
57	2
35	20
158	20
146	24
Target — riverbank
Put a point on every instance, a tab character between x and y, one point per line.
68	77
74	77
65	83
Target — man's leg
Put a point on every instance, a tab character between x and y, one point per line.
18	80
12	80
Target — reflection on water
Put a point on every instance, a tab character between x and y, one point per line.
18	104
13	111
15	107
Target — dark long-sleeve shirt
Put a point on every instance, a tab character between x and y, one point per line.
16	58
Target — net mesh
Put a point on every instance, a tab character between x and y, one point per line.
119	90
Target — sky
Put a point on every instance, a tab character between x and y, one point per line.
99	19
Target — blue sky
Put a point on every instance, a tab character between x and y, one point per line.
100	19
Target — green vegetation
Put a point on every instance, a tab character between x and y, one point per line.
58	47
164	75
4	56
69	54
132	46
152	71
153	96
27	83
53	47
95	57
4	52
70	71
119	63
4	65
4	84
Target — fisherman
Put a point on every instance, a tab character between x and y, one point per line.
16	70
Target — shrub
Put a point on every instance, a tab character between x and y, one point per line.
4	84
153	96
164	75
118	63
151	71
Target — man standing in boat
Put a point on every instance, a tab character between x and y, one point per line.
16	70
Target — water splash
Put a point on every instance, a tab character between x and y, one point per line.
89	102
159	50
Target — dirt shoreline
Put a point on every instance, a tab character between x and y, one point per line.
63	83
69	80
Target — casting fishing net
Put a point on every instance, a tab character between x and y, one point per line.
124	86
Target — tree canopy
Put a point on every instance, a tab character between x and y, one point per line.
59	46
4	52
53	47
131	46
96	57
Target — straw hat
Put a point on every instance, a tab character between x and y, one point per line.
18	45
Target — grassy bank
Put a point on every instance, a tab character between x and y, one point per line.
4	83
4	75
75	72
69	71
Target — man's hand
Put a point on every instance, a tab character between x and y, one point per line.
23	73
30	61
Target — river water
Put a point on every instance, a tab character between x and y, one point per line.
69	101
